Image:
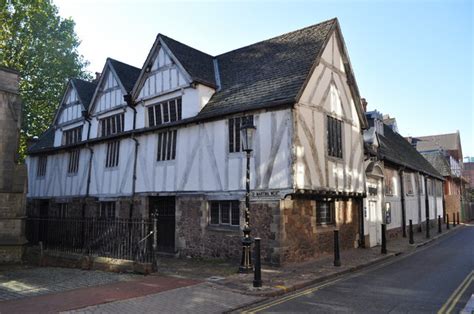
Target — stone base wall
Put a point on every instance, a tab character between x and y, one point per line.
12	227
303	238
195	237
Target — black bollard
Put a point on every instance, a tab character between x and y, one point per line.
411	232
447	222
439	224
257	275
457	214
427	227
337	257
454	220
384	239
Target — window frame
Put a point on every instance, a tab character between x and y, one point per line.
157	112
408	184
112	154
41	166
332	212
73	162
233	139
231	214
334	137
72	136
166	148
113	124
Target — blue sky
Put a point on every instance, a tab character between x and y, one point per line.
412	59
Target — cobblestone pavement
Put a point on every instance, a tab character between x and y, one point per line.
202	298
34	281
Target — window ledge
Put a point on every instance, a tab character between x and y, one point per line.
322	228
221	228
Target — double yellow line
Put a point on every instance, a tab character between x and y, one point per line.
454	298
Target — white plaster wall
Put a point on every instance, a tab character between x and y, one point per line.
203	162
327	93
57	182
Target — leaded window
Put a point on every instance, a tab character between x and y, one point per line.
334	137
225	213
235	143
325	212
165	112
41	166
72	136
113	153
73	165
166	149
107	210
112	125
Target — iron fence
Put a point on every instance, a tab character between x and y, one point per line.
130	239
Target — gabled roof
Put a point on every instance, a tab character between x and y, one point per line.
199	65
271	71
395	149
439	162
127	74
85	91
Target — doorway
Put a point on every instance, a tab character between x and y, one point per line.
164	207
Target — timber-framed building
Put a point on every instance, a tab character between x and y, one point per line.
165	139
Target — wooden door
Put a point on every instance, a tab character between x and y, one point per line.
164	207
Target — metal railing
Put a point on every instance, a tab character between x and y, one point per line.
129	239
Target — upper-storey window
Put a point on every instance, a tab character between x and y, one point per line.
235	144
72	136
166	145
164	112
41	167
408	184
334	134
111	125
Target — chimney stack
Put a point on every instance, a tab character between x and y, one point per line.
97	77
364	104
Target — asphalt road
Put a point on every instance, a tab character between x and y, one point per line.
436	277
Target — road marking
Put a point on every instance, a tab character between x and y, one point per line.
377	266
454	298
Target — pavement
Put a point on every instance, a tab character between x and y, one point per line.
180	286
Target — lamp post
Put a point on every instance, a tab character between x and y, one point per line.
247	132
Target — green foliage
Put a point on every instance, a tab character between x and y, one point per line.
42	46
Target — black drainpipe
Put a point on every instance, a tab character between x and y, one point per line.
402	196
131	104
427	207
89	170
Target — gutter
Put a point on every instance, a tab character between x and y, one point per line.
128	99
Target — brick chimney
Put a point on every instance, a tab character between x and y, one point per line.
364	103
97	77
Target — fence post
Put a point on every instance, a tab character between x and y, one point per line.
439	224
447	221
257	279
155	242
337	257
411	232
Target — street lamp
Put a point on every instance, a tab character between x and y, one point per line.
247	132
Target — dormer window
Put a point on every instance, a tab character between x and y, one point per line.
72	136
165	112
111	125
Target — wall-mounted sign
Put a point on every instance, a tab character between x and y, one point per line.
372	190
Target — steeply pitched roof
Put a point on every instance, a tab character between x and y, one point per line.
439	162
126	73
85	91
394	148
199	65
436	142
271	71
45	140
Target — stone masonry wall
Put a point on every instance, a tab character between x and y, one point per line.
303	238
196	238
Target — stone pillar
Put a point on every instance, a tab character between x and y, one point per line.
12	175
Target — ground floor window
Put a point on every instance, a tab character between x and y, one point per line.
325	212
107	210
63	210
225	213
